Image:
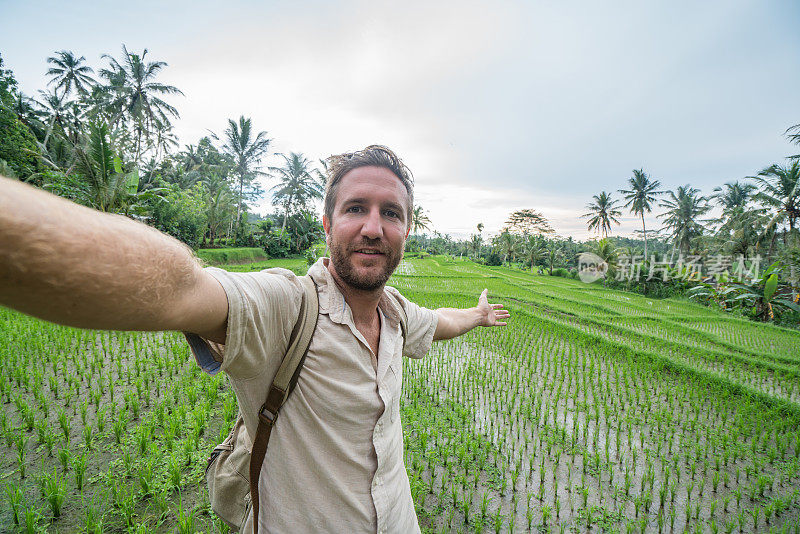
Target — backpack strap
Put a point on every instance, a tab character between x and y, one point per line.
401	316
283	384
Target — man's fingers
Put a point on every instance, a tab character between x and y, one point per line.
497	306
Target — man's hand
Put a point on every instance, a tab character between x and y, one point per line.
491	314
453	321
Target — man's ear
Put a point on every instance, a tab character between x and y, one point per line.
326	225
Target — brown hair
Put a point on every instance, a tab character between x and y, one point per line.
372	156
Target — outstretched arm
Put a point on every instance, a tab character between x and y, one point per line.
76	266
454	321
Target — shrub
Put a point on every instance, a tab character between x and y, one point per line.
493	259
219	256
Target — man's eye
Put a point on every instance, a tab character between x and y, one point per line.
392	214
354	209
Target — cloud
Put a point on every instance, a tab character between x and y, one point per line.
494	106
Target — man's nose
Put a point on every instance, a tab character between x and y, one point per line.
372	227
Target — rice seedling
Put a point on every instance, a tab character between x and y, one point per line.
54	491
592	407
79	465
15	499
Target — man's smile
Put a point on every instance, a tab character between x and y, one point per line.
368	252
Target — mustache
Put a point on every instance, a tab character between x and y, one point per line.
376	244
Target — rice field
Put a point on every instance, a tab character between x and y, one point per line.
593	411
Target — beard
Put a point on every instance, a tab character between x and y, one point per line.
343	264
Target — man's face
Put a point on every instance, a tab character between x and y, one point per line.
367	234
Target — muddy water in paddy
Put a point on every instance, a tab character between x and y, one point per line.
661	438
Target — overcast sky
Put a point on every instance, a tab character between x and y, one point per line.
495	106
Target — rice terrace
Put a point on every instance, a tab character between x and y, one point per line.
622	178
594	410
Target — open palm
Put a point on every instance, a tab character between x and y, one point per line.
492	314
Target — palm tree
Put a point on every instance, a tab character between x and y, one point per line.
106	186
219	205
602	213
507	244
135	95
246	152
733	195
780	189
68	73
793	134
553	255
419	221
639	197
476	243
681	217
739	225
534	249
606	250
296	185
322	173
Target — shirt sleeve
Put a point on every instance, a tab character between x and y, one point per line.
420	323
262	309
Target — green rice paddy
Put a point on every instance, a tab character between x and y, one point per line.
594	410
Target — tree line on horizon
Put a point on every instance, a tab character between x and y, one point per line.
758	218
105	138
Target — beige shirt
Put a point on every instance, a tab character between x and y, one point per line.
335	457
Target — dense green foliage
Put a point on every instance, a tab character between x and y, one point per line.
18	148
108	143
231	255
593	410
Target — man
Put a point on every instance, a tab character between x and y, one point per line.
334	461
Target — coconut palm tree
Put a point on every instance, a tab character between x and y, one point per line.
106	185
419	221
246	150
135	95
219	203
740	225
780	190
793	134
682	216
553	255
68	73
321	173
54	110
733	195
506	244
534	249
640	196
296	185
602	212
476	244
